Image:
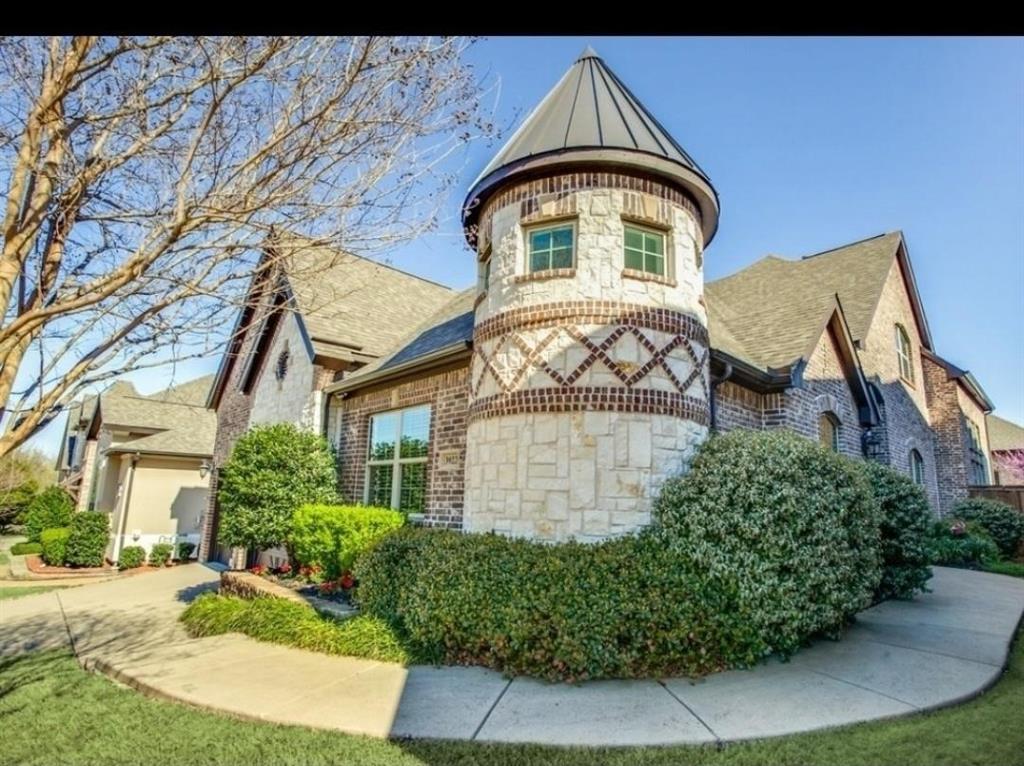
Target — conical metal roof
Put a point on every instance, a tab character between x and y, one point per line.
590	117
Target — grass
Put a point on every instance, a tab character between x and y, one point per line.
1012	568
53	712
28	590
285	622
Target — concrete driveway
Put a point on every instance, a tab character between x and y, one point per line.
900	658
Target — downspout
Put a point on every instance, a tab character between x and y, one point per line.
716	381
125	505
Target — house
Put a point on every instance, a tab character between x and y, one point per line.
312	315
144	460
590	360
1006	450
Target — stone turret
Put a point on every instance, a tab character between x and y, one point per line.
589	379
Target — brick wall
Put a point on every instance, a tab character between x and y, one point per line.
447	393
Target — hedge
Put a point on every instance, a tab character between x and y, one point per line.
962	544
55	544
87	544
286	622
906	522
23	549
331	536
131	557
50	509
623	608
796	523
1003	523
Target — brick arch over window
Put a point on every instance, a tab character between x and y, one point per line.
826	403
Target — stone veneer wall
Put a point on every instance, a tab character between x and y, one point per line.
589	385
447	394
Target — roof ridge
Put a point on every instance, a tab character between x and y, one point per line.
848	244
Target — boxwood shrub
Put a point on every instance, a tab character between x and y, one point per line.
55	545
906	523
160	554
798	526
184	550
131	557
87	543
331	536
1003	523
23	549
956	543
50	509
627	607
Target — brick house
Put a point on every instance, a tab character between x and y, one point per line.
590	360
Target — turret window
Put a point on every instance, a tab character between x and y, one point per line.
904	354
551	247
645	250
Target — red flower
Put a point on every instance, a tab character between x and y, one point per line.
347	580
258	569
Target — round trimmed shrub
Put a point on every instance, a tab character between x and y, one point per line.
272	471
50	509
1003	523
55	544
628	607
331	536
796	524
131	557
87	544
967	545
184	550
906	524
160	554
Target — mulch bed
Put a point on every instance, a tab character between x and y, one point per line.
37	566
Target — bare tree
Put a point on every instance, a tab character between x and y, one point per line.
142	176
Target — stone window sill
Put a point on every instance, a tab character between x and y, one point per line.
644	276
537	276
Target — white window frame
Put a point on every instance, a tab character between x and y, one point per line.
904	354
528	233
395	461
666	249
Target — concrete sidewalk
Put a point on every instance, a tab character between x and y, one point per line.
900	657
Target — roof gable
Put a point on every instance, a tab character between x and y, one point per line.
1004	434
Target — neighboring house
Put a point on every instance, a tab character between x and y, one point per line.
590	360
312	315
144	460
1006	449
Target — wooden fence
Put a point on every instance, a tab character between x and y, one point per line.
1011	494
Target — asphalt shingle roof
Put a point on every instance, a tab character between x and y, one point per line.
177	416
1004	434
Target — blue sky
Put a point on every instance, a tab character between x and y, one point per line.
813	143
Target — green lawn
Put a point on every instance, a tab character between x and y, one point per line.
28	590
53	712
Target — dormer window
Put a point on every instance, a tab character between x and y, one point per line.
551	247
644	250
904	354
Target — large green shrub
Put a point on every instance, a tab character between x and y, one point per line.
271	472
1003	523
795	523
131	557
628	607
331	536
50	509
956	543
906	522
286	622
55	544
87	544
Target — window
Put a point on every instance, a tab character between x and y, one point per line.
281	368
903	354
485	271
916	467
72	443
828	431
976	454
551	247
644	250
396	471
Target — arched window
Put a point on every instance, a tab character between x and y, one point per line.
916	467
828	431
903	354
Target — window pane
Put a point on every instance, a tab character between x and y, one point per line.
634	239
414	488
540	261
654	243
415	432
380	485
540	240
656	265
383	431
561	259
634	259
562	237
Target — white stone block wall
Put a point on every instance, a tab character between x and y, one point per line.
293	399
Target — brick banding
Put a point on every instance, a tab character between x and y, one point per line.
600	398
592	312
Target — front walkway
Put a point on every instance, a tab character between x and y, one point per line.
899	658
